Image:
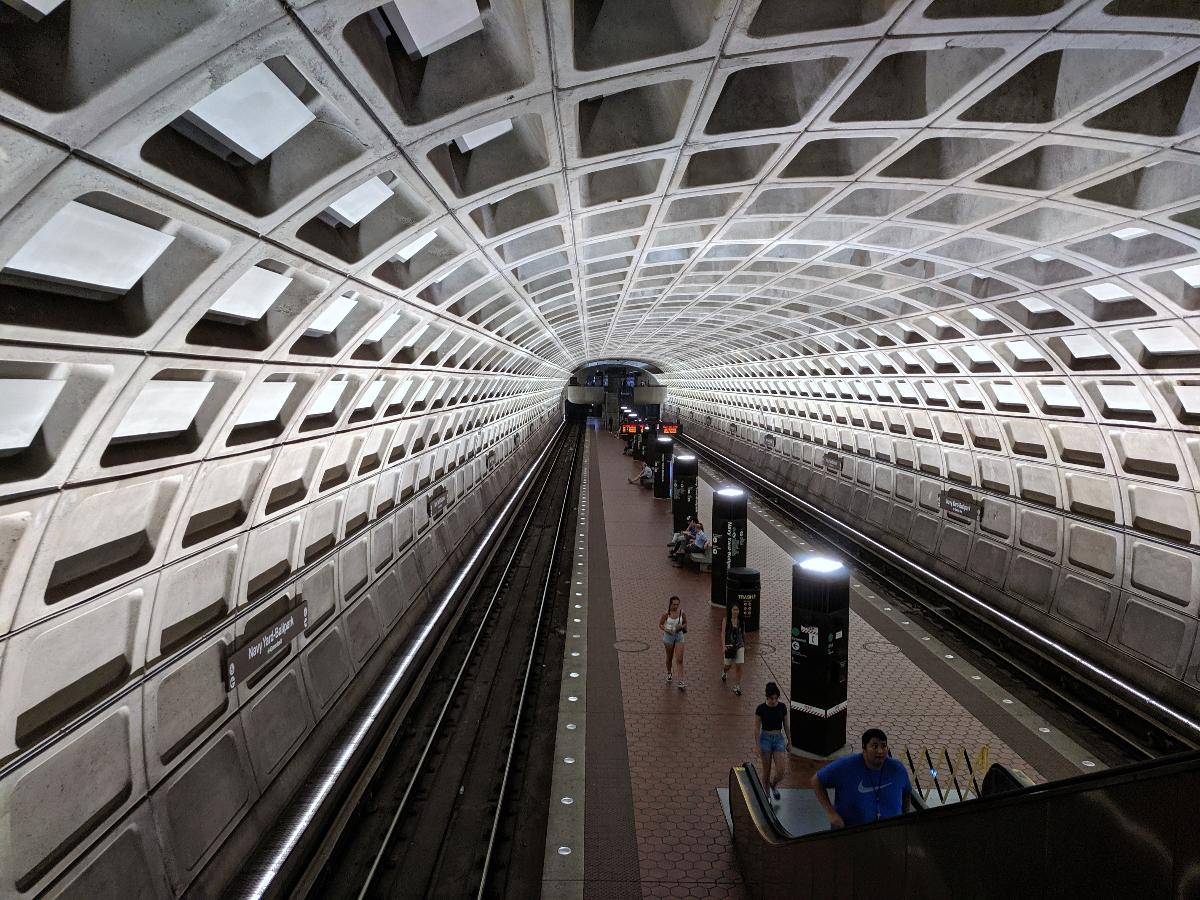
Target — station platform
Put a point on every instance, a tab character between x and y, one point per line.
651	765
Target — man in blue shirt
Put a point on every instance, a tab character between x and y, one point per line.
870	785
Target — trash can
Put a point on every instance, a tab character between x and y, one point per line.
743	586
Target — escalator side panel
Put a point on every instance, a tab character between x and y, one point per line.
1006	858
1127	833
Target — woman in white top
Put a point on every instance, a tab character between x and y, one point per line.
673	626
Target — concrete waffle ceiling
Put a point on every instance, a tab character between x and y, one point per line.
265	277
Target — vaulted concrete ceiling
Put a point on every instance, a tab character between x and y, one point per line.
268	269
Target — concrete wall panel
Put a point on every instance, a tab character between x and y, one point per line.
185	703
327	668
125	863
202	801
53	803
68	663
275	722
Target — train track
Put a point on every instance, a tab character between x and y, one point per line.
458	803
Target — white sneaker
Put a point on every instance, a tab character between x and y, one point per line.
668	678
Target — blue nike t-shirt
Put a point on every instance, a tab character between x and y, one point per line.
864	794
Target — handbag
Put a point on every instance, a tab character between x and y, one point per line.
682	629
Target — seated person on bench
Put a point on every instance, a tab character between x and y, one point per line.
698	543
680	539
646	478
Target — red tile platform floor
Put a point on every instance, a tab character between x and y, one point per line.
682	743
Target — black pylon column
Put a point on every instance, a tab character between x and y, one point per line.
664	452
728	532
820	655
744	587
684	469
650	441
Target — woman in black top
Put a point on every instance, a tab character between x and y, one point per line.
773	739
734	646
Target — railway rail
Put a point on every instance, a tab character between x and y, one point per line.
458	801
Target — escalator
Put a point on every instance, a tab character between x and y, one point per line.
1131	832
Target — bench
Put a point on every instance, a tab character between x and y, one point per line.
703	561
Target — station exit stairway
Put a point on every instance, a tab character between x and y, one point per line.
1127	832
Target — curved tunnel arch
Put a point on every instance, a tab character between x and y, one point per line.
960	250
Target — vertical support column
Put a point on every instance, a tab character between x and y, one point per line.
650	441
743	586
728	538
820	656
684	469
664	452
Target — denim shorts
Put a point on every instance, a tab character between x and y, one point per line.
676	638
771	742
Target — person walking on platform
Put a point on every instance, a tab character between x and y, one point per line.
773	739
673	626
868	786
734	646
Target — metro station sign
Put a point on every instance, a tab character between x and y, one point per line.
435	501
961	505
265	646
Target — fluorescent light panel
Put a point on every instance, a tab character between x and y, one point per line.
331	317
480	136
36	10
327	398
24	405
249	298
265	402
359	203
411	249
86	247
1107	291
253	115
163	409
426	26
